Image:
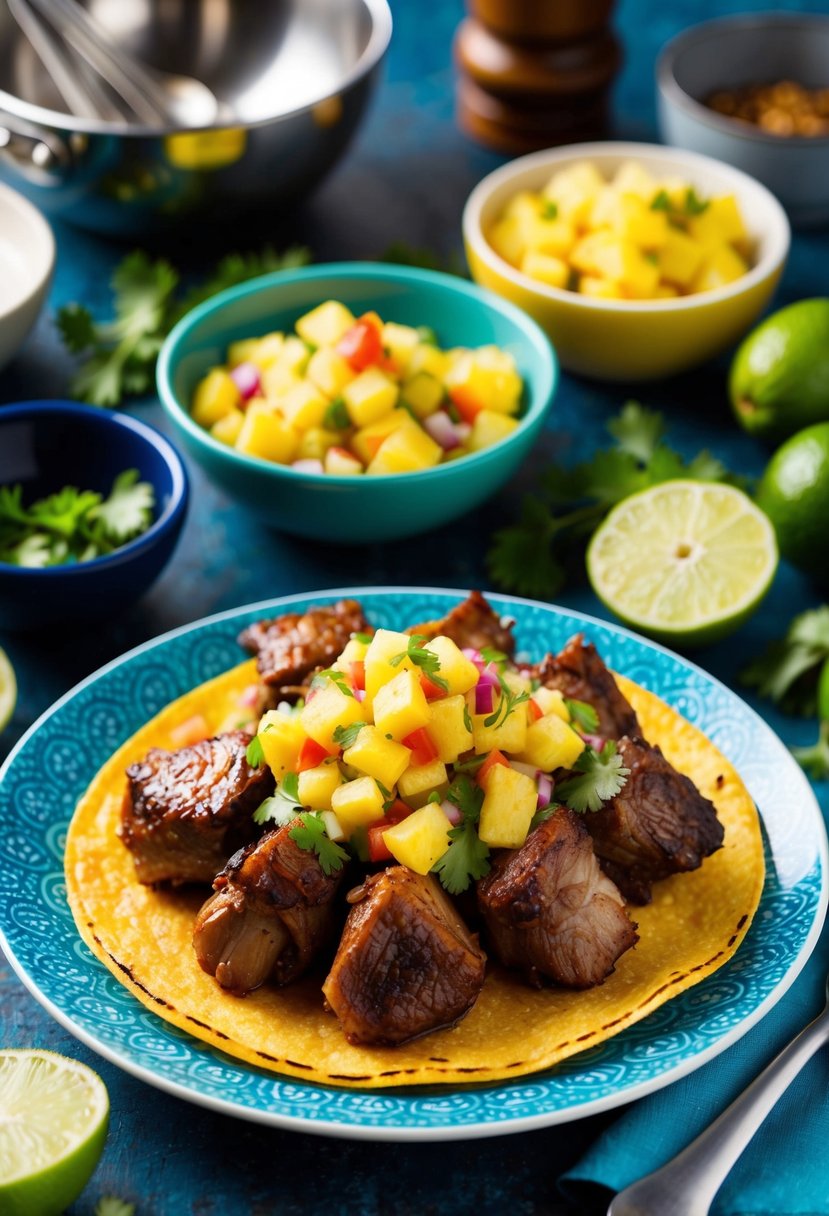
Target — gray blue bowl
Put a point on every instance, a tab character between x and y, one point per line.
45	445
357	509
727	53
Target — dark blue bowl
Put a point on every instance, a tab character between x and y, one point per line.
46	445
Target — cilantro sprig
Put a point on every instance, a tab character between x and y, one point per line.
334	676
467	857
426	660
119	356
73	525
787	670
283	805
310	834
583	714
509	702
600	775
346	736
534	555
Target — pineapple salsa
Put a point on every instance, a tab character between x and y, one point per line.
350	395
632	238
429	755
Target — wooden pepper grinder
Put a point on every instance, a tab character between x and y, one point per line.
533	73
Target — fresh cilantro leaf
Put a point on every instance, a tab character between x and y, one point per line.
426	335
467	796
637	430
290	785
111	1205
787	671
236	268
347	735
466	859
255	753
472	764
467	717
601	775
694	205
583	715
76	327
549	209
661	201
129	509
651	256
425	659
815	759
365	638
510	700
283	805
333	676
490	654
434	797
310	834
336	416
544	814
520	557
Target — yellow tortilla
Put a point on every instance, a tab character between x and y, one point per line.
695	923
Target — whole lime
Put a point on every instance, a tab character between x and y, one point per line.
779	381
794	493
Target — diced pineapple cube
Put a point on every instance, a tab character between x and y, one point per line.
489	428
664	291
551	743
406	450
376	756
242	351
427	358
266	435
719	224
604	209
612	257
281	736
400	706
679	258
507	239
423	393
329	371
599	289
545	268
215	396
369	396
633	178
454	668
489	377
574	189
400	341
357	803
326	710
354	651
507	734
340	462
419	781
723	266
552	236
303	405
334	830
317	785
315	442
551	701
267	350
385	645
276	381
420	839
367	440
509	804
227	429
325	324
447	728
635	221
522	208
293	355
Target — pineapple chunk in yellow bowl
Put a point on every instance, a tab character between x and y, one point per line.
358	402
638	261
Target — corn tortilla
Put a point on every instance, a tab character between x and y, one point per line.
694	924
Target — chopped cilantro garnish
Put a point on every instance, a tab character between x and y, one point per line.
434	797
583	715
661	201
466	859
283	804
787	670
467	717
651	256
426	335
365	638
467	797
255	753
426	660
336	417
471	765
310	834
386	793
333	676
489	654
600	775
694	205
549	209
347	735
544	814
510	700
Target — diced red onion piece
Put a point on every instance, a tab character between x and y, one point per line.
452	812
442	429
308	465
484	698
474	656
545	790
359	694
247	379
249	696
597	742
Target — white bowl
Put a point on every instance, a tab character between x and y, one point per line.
27	259
632	339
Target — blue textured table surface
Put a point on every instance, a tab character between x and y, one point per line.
406	178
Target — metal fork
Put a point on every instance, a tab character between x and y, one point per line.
686	1186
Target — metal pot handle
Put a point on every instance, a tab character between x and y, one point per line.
41	155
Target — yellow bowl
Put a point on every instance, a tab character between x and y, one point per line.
632	339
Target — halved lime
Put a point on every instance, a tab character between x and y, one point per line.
53	1124
685	561
8	689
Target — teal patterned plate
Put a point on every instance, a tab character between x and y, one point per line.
52	765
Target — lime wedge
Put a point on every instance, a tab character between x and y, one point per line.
53	1124
685	561
8	689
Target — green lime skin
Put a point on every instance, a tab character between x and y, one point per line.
779	380
794	493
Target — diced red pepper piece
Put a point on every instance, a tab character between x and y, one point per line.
358	674
398	810
465	404
310	755
377	848
421	746
494	757
362	344
534	710
431	691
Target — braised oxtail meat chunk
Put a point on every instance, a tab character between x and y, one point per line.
473	623
658	824
406	965
551	912
272	911
292	646
578	672
185	812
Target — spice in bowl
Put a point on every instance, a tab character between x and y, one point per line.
782	108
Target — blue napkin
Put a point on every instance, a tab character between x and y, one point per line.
785	1169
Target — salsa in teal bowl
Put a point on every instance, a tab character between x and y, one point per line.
365	508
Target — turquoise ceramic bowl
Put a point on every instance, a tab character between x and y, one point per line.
357	509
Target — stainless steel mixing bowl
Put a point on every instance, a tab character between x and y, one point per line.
292	78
